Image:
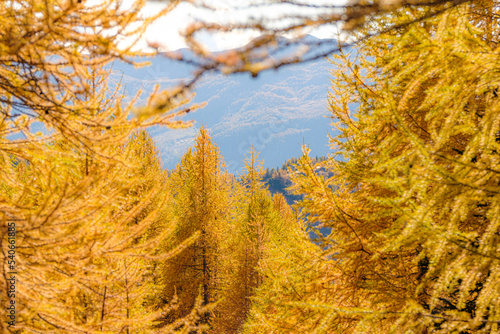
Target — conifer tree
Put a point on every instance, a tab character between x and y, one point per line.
82	255
256	216
291	269
245	240
413	201
266	246
77	196
200	188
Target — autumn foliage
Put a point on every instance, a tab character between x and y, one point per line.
107	241
412	205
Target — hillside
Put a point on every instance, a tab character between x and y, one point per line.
276	112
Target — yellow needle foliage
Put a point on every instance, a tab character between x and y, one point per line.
414	202
276	263
246	231
200	189
85	191
81	251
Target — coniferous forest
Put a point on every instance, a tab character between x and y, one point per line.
397	230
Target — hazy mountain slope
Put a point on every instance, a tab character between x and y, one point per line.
275	112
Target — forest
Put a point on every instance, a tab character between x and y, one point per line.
97	237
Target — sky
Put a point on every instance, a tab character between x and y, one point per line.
165	31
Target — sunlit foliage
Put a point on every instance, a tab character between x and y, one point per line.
414	198
108	242
82	190
200	189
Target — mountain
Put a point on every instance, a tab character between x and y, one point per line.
276	112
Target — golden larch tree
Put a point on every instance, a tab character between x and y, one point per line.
200	189
413	201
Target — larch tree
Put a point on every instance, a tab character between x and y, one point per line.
200	190
269	261
244	243
75	199
257	211
414	198
291	270
81	253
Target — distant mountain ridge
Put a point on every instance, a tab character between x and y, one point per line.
276	112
